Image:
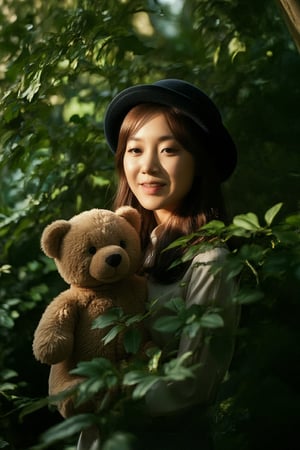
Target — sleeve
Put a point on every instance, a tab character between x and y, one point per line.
213	350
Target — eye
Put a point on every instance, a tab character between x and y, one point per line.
122	243
169	150
92	250
134	150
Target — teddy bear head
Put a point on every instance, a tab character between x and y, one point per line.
95	247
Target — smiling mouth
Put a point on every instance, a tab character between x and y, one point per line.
150	185
152	188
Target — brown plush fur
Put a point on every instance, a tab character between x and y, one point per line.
98	253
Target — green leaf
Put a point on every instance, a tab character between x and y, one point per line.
6	374
133	377
119	441
33	86
193	250
88	389
111	335
6	268
293	220
213	227
287	237
134	319
143	387
247	296
5	320
132	340
234	230
168	324
177	368
247	221
175	304
95	367
211	320
67	428
34	406
154	361
234	267
108	318
192	329
272	212
182	241
179	373
252	252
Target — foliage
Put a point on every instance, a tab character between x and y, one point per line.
267	264
60	64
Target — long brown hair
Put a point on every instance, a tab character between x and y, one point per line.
203	203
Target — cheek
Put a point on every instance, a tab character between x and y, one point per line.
183	174
130	170
185	185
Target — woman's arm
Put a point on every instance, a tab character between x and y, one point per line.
212	349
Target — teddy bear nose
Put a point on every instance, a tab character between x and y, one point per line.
114	260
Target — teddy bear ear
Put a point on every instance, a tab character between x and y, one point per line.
131	215
52	237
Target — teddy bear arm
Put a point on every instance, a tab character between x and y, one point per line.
54	336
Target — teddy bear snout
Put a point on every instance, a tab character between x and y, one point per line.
109	264
114	259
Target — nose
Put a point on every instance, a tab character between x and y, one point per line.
114	259
150	162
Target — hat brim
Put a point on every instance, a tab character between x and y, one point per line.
222	144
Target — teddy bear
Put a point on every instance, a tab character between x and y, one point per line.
98	254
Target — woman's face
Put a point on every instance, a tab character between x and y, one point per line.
158	169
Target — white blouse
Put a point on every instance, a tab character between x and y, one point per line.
212	348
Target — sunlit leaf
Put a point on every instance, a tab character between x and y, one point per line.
33	88
214	226
272	212
247	221
154	360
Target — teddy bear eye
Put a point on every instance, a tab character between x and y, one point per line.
122	243
92	250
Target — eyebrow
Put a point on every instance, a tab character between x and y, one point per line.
167	137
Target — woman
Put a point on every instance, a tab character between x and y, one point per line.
172	154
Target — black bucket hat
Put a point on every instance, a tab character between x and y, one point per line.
193	102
